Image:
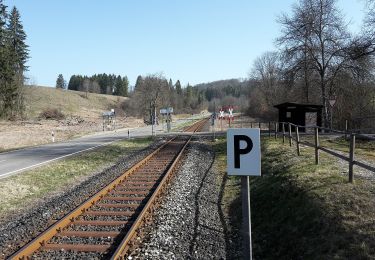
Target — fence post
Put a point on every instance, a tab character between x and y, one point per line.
260	124
316	145
283	132
269	129
298	149
251	124
351	157
276	126
290	134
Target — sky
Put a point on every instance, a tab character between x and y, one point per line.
195	41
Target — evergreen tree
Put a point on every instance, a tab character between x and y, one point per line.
6	74
17	38
138	83
121	86
125	83
60	82
13	56
178	87
75	82
3	21
170	85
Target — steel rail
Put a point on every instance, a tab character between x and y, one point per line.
125	244
57	228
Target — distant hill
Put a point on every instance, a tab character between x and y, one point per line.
39	99
229	87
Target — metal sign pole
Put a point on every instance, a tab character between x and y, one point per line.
246	218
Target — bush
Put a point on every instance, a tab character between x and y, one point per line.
51	113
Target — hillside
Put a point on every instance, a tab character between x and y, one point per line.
69	102
81	116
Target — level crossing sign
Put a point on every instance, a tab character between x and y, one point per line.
221	114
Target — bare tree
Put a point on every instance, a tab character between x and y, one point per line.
151	93
94	87
85	87
316	32
266	70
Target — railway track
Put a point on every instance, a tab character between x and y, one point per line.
107	224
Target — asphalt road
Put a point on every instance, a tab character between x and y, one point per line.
19	160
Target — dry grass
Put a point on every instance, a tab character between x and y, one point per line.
82	116
21	190
68	102
304	211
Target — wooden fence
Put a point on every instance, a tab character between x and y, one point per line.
286	133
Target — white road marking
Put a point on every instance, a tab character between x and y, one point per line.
55	159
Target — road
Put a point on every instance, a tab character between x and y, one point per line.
19	160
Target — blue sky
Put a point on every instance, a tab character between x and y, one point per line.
194	41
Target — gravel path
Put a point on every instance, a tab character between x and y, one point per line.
190	223
20	228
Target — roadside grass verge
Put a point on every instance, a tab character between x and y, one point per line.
181	126
363	148
22	189
305	211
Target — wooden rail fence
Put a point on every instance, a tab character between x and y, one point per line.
286	132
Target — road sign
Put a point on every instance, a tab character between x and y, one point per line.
230	110
243	152
165	111
221	114
243	158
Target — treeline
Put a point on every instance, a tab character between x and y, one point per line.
153	92
109	84
13	56
230	92
318	60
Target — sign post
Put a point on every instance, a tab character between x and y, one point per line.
221	116
230	110
243	159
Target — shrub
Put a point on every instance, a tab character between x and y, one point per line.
51	113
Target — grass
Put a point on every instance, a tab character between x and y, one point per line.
304	211
70	102
22	189
363	148
181	126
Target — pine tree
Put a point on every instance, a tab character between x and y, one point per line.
3	21
17	38
170	85
138	83
60	82
13	56
125	83
6	74
178	87
121	86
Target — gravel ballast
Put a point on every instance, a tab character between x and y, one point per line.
189	223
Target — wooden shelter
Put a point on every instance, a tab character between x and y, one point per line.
300	114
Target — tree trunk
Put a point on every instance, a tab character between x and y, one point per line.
324	102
